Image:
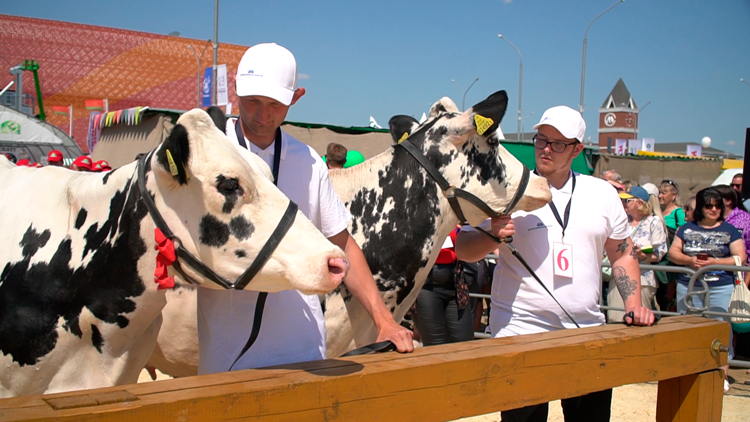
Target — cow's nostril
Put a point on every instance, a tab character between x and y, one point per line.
338	266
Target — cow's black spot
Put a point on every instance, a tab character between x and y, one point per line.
96	236
239	253
484	165
96	338
213	232
232	191
34	297
241	228
107	175
32	241
81	218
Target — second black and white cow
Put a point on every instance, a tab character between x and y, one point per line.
399	217
79	306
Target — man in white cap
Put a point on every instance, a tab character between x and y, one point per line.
293	326
563	243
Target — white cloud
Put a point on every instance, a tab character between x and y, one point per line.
303	76
507	1
731	143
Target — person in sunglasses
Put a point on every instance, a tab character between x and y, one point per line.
709	240
563	243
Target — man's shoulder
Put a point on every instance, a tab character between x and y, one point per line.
296	146
591	185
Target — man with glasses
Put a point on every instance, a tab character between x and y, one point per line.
563	243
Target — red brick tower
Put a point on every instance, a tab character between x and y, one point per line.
618	117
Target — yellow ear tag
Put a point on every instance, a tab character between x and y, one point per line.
403	137
483	123
172	165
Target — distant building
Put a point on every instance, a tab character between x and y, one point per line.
681	148
618	117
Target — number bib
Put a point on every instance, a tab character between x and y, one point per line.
563	256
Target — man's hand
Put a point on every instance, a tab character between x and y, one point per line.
398	335
641	316
502	227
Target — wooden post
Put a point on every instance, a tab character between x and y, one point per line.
692	398
436	383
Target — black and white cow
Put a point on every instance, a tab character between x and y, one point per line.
399	217
79	306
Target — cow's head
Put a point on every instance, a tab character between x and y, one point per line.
218	199
466	150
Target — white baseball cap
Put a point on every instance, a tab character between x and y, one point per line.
267	70
566	120
651	189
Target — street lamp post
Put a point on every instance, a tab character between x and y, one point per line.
638	117
744	81
583	66
519	137
216	52
199	60
463	93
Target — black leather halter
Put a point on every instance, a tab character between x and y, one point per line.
183	255
452	193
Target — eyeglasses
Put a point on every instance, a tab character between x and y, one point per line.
555	146
736	185
710	206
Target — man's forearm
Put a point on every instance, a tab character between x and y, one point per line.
628	286
473	246
362	286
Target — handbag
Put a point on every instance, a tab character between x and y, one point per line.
740	302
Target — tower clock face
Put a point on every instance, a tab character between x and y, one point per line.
610	119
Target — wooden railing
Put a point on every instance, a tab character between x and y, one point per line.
435	383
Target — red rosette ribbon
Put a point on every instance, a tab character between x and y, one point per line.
164	258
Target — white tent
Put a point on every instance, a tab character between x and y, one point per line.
23	136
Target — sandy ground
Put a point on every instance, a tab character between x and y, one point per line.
630	403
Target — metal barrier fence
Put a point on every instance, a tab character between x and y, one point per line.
695	278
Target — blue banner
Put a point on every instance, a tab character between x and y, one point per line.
206	87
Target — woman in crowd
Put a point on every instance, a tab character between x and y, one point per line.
735	213
669	200
649	236
674	217
708	240
443	314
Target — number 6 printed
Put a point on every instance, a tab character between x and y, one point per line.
563	254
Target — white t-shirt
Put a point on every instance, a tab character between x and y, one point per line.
519	304
293	325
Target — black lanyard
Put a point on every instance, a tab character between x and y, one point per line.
276	148
561	222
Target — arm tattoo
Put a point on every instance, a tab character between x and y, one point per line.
622	247
625	284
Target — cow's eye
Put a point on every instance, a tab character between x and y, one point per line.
228	186
493	140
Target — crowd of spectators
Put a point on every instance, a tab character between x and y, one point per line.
710	228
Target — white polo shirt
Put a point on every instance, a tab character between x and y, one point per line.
293	325
519	304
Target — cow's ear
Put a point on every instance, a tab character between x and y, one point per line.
489	113
219	118
174	154
402	127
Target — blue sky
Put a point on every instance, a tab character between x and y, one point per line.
383	58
